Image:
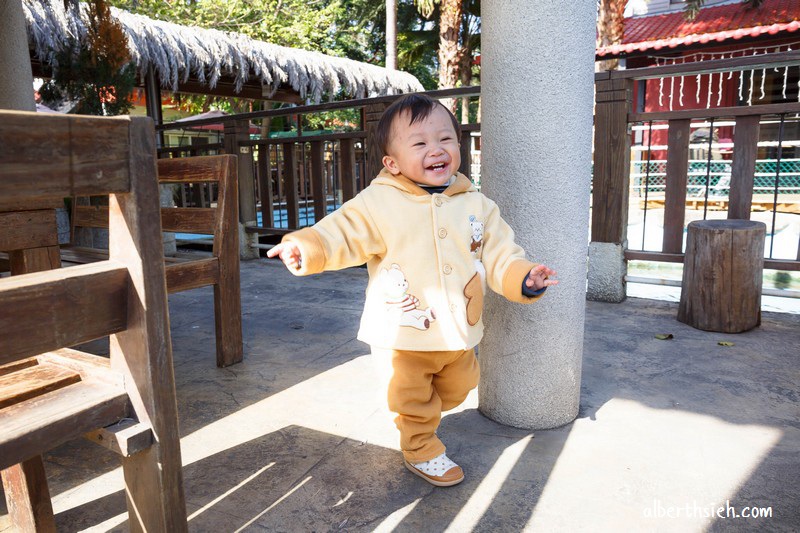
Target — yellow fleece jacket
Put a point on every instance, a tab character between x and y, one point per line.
429	258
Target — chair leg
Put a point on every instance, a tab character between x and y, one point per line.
228	319
154	491
28	497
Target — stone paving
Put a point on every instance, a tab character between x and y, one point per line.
294	438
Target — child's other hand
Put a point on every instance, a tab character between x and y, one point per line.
538	277
289	254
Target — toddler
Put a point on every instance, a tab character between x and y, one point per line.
432	243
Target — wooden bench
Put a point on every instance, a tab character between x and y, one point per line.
50	394
220	270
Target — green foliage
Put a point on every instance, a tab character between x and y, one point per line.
782	280
98	88
693	7
95	72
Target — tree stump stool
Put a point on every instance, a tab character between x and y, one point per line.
722	269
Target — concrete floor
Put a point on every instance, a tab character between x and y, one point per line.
293	439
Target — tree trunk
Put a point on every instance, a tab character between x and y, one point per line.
610	27
449	51
391	34
16	78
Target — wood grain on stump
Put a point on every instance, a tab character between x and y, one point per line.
722	269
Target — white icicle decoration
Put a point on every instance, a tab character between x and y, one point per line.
671	91
697	93
680	100
719	90
710	89
785	80
177	52
750	92
763	77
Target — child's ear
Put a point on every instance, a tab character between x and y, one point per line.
391	165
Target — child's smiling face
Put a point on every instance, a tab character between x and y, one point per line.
427	151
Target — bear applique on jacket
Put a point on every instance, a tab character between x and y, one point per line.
402	306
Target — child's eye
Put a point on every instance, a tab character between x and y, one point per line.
420	144
447	138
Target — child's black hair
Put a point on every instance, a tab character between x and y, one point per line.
420	106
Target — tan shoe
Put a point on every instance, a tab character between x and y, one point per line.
439	471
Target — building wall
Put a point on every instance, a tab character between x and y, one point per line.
655	7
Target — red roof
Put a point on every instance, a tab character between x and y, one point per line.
713	24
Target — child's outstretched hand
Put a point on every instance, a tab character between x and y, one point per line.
289	254
538	277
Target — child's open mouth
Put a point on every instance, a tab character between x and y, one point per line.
438	167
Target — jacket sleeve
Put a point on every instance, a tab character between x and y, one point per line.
347	237
504	260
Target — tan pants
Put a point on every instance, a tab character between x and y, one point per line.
421	386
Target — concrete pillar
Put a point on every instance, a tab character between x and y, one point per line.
537	93
16	79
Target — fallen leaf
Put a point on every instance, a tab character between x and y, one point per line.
664	336
725	343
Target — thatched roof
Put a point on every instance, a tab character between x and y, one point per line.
178	53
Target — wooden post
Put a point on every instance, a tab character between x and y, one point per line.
290	186
236	132
265	186
612	160
722	275
675	194
227	292
318	181
466	148
373	114
347	168
143	353
27	496
743	167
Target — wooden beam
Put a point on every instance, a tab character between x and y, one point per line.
125	438
191	170
48	310
675	193
90	156
192	274
716	112
54	418
28	229
743	167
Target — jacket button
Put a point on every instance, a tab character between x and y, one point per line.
447	269
438	201
442	233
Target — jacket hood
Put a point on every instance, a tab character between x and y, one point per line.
399	181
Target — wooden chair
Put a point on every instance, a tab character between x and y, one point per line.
49	393
220	270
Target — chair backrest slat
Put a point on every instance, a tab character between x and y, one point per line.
68	155
48	310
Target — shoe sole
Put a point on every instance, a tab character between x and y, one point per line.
418	473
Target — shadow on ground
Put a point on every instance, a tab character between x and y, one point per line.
292	440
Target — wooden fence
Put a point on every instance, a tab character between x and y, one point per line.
290	179
617	114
